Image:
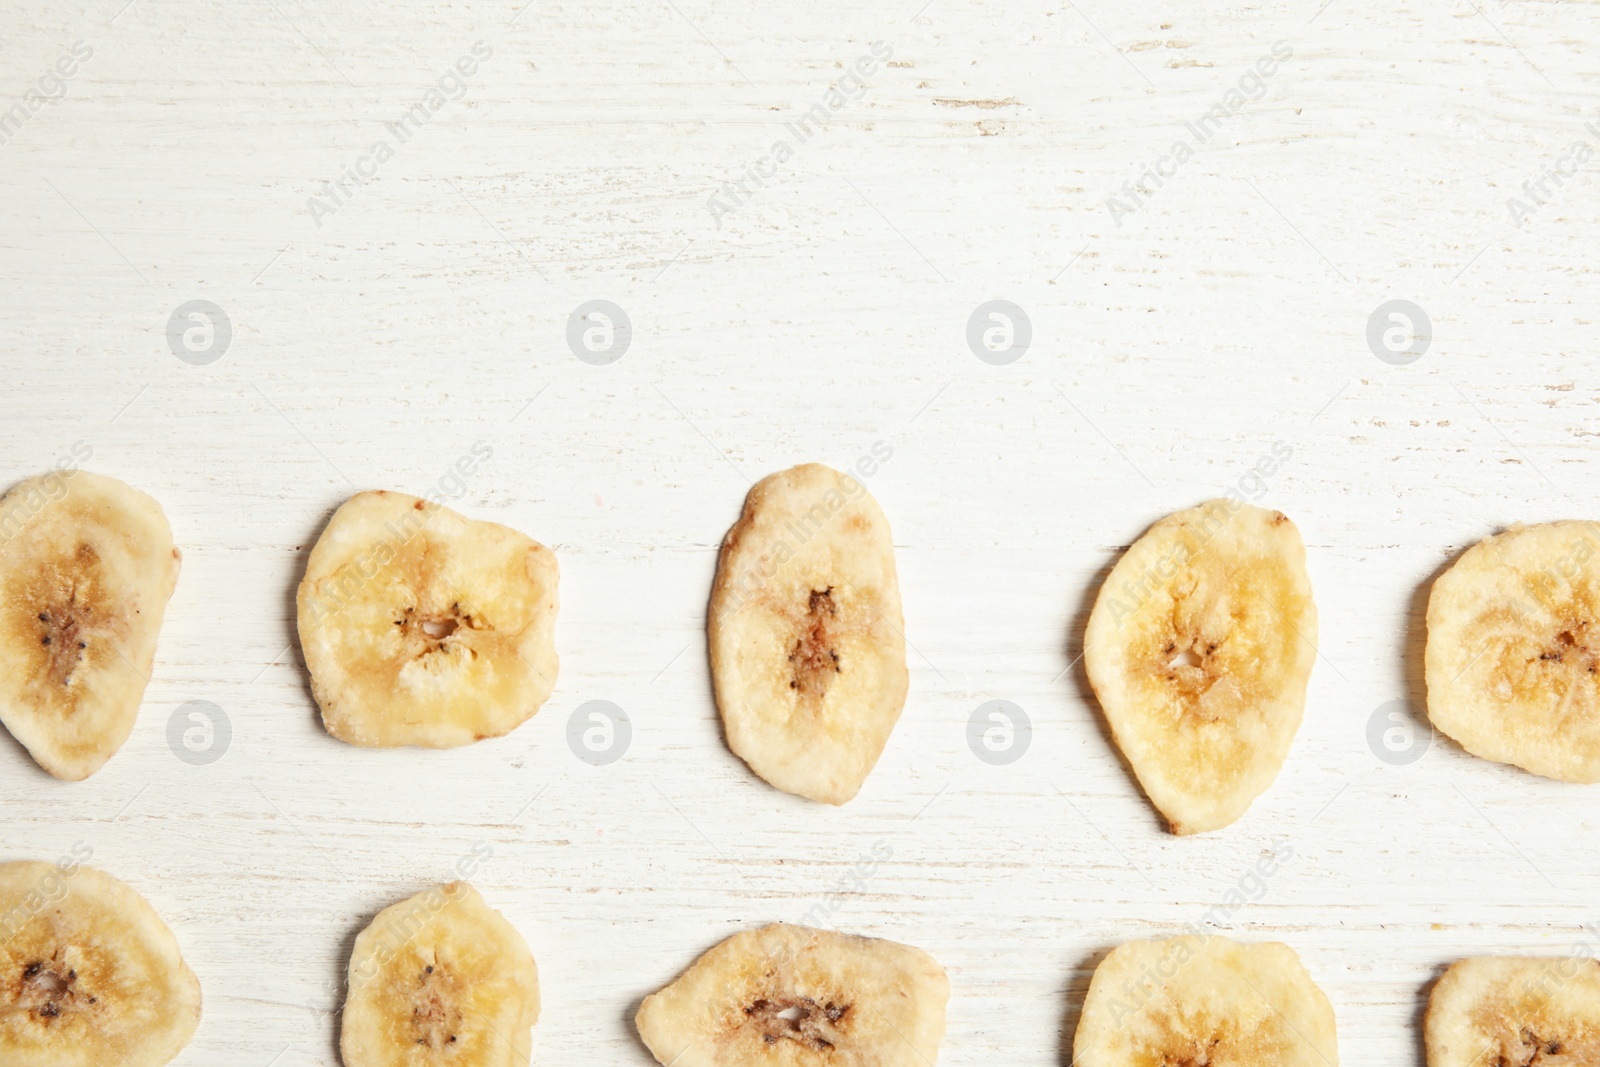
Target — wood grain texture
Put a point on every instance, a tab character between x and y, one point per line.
827	313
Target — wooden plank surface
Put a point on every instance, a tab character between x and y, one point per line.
1173	346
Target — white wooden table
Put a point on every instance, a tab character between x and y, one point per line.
1172	346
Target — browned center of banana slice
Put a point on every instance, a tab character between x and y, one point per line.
802	1020
86	567
42	989
1195	660
797	997
814	657
1515	1011
71	593
435	1020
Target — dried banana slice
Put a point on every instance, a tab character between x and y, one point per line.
1513	647
796	997
808	653
86	569
89	974
440	979
422	627
1515	1011
1199	648
1204	1001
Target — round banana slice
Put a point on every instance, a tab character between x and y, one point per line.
1199	648
423	627
808	653
440	979
1515	1010
1513	646
790	996
86	569
1205	1001
89	974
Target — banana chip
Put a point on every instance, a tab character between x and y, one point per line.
1513	647
790	996
1204	1002
1516	1011
422	627
808	654
440	980
1199	648
89	974
86	568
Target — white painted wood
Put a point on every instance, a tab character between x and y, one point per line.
827	313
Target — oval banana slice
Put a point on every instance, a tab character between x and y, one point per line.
1515	1010
423	627
790	996
440	979
1199	648
86	568
1513	646
89	974
1205	1000
808	652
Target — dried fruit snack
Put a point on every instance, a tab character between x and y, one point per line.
791	996
440	980
89	974
423	627
1513	649
1199	648
86	568
1521	1010
1205	1000
808	652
